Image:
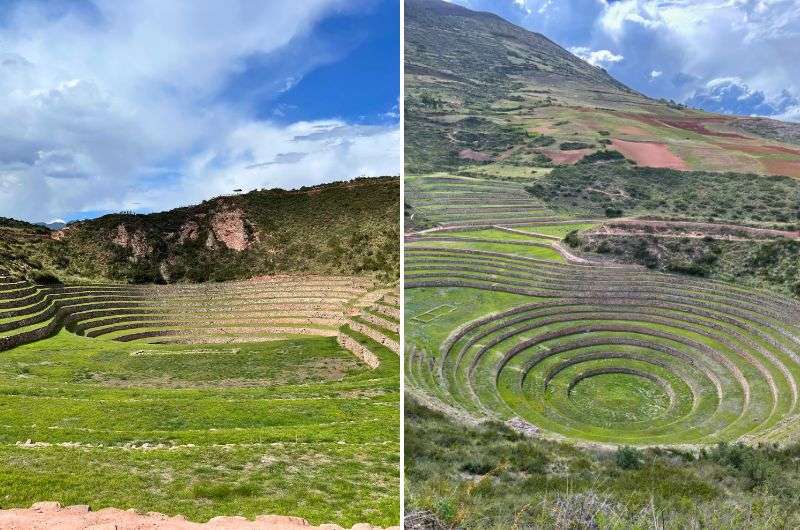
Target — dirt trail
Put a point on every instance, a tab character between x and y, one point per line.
51	516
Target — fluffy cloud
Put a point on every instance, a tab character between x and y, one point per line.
116	105
596	57
264	154
732	96
703	44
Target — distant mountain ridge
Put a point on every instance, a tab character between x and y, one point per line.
56	225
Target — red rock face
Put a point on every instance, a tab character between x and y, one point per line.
228	227
136	242
58	235
190	231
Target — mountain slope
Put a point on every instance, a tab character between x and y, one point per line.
480	90
345	227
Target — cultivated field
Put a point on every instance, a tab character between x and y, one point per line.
274	395
565	347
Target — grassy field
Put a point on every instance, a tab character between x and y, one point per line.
202	430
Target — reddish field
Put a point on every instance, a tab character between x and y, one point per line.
469	154
790	168
650	154
568	157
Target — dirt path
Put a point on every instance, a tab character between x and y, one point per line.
51	516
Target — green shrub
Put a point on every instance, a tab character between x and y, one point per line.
44	278
629	457
572	146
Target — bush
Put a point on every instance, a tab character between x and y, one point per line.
480	465
44	278
572	239
542	141
571	146
602	156
629	457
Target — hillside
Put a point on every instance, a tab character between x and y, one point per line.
601	294
480	90
339	228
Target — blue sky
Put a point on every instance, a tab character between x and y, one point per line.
731	56
148	105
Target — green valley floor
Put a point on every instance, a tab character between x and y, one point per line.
297	426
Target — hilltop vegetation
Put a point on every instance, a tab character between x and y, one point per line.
340	228
620	189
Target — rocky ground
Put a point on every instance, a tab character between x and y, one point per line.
52	516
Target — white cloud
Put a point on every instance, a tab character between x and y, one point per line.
99	107
258	154
698	41
655	74
791	114
730	95
596	57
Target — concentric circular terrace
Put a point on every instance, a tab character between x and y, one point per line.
611	354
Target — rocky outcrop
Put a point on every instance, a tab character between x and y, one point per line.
232	230
189	231
136	242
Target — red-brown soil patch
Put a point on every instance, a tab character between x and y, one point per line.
696	125
469	154
568	157
789	168
650	154
762	149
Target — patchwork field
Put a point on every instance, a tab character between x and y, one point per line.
565	347
275	395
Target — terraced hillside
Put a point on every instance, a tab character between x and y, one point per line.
452	201
268	308
236	398
596	352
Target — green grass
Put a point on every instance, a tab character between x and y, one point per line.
559	230
295	427
504	248
493	233
432	314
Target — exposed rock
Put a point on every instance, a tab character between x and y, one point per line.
163	270
210	241
229	228
46	506
122	238
136	242
190	231
59	235
523	427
